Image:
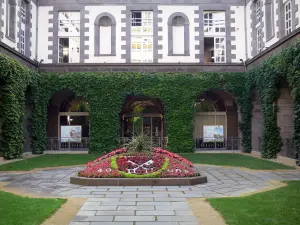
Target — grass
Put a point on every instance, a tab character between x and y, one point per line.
238	160
17	210
49	161
277	207
205	158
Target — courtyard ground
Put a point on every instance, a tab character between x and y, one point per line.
162	205
56	160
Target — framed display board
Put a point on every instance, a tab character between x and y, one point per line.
70	133
213	133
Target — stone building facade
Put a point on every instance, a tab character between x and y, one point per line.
164	31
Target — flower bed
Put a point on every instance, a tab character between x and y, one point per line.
155	164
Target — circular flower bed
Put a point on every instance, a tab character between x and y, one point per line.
121	163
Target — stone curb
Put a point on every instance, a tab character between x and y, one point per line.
185	181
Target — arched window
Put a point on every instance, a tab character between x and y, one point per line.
105	35
179	35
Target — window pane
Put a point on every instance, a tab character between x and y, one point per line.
214	22
69	22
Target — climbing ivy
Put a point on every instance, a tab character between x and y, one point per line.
106	93
266	79
15	79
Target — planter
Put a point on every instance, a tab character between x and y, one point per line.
138	181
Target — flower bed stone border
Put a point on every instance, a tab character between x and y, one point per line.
138	181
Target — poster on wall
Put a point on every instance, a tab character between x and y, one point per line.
213	133
70	134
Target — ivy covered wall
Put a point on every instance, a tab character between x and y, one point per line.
266	79
15	80
107	92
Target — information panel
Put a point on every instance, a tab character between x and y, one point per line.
70	134
213	133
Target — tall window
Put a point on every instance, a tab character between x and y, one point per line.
214	22
270	25
258	39
69	37
141	36
23	27
258	12
11	19
214	37
258	8
288	17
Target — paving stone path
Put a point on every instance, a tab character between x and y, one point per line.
144	205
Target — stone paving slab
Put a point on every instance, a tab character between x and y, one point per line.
144	205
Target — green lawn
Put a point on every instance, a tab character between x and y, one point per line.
17	210
277	207
239	160
49	161
205	158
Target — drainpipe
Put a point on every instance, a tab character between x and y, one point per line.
36	30
245	24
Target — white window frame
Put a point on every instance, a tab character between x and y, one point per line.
22	41
288	17
8	16
259	39
23	11
68	22
140	43
212	25
218	57
69	50
141	30
23	27
258	9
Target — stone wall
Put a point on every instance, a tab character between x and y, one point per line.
5	49
153	67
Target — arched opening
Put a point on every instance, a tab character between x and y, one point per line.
68	125
143	115
27	120
285	121
257	122
216	121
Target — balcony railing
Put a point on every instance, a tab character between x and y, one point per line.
64	144
82	144
209	144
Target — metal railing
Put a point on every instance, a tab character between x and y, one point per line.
158	142
207	144
63	144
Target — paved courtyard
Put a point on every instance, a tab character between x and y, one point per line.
144	205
